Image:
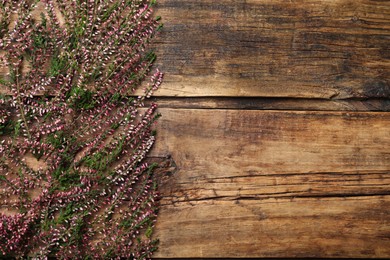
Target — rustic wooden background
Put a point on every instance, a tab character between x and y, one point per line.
276	114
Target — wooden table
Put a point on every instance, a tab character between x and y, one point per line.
276	118
276	114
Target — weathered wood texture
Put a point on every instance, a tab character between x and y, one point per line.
324	49
254	179
265	169
275	184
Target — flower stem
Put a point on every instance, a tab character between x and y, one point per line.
22	113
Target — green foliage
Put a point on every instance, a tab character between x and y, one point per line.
40	39
150	57
67	180
57	139
77	231
81	98
17	128
66	214
59	64
8	127
102	159
109	11
5	83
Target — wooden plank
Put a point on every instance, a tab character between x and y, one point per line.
274	141
274	48
255	183
328	227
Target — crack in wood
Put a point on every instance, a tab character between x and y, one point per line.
186	199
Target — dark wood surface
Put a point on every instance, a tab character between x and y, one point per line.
259	113
276	115
314	49
275	184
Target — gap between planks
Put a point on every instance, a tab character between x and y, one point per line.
261	103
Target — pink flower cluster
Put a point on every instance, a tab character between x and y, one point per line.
74	134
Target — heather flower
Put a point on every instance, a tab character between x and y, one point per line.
74	129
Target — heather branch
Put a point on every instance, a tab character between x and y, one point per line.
89	136
18	96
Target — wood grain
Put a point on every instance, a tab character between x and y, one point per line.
313	49
275	184
258	175
303	227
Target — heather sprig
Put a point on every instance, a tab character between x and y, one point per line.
74	130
